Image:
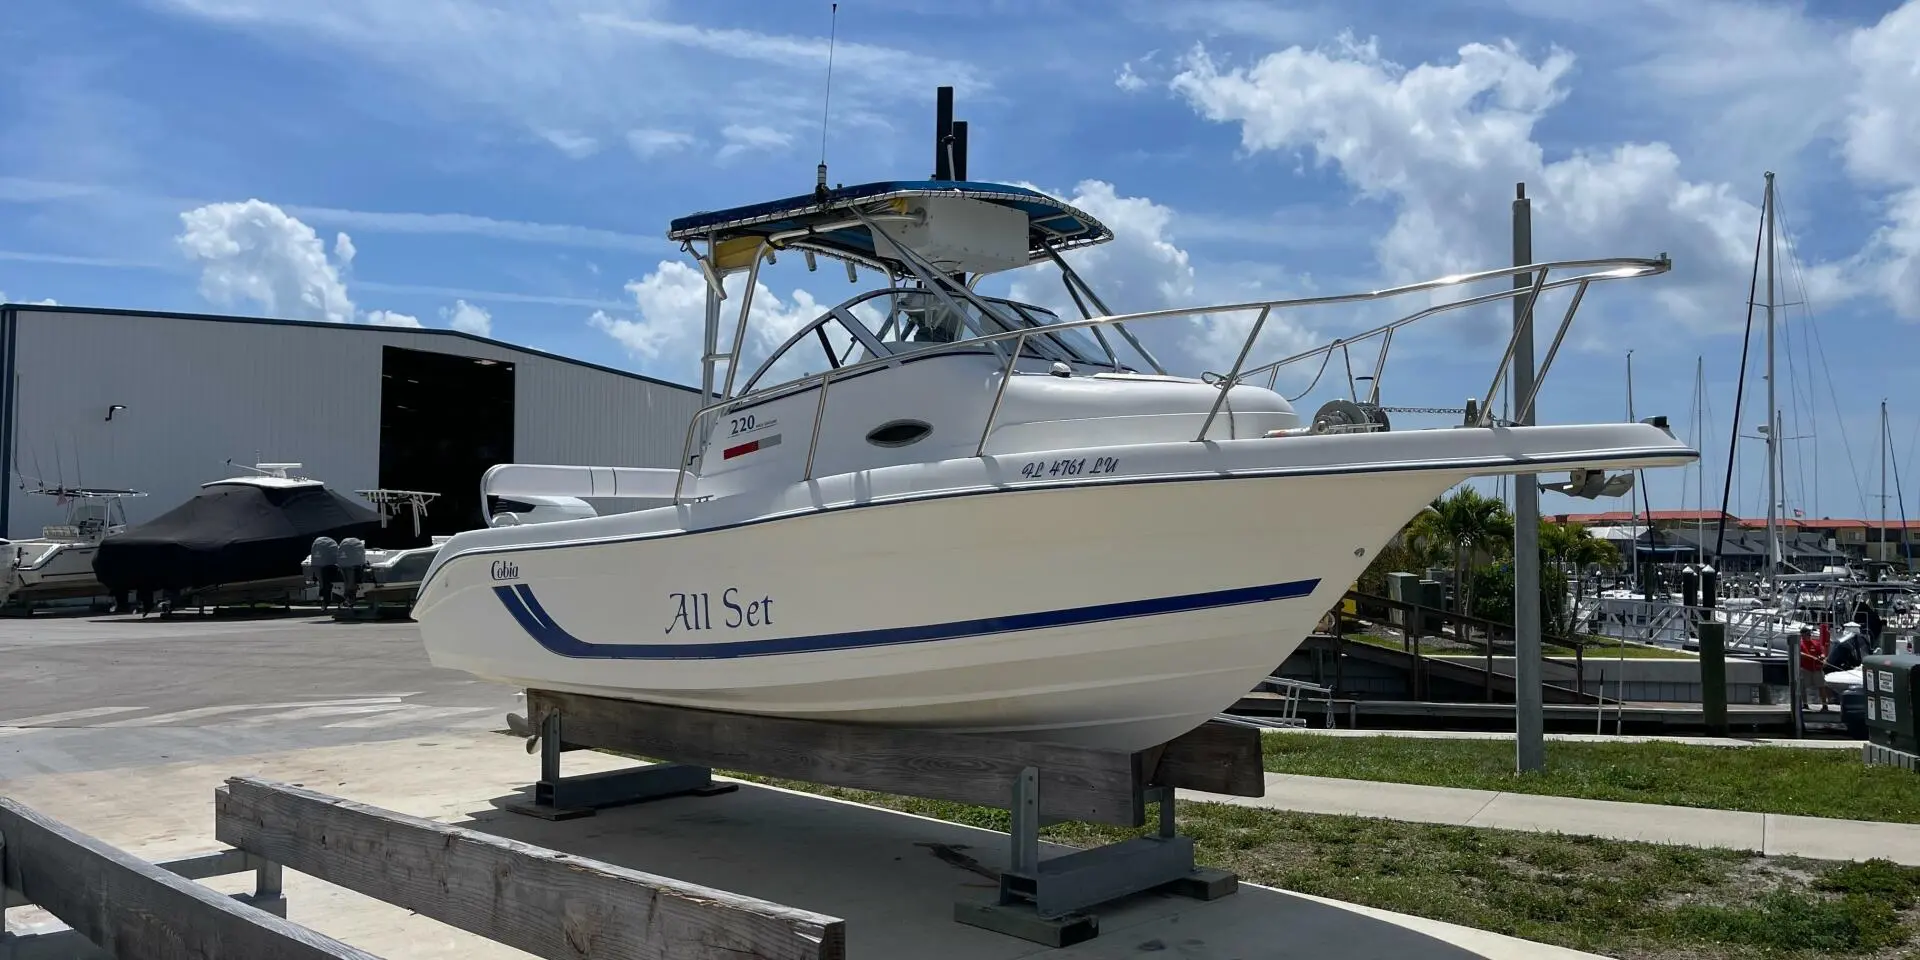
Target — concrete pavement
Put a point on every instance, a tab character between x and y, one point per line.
875	868
96	693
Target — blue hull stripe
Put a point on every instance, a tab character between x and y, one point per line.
534	619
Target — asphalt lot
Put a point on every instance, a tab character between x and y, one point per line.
103	692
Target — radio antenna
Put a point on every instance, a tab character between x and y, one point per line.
820	175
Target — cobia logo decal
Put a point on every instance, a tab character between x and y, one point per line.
505	570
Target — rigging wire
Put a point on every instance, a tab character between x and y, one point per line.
1740	389
1846	444
1789	418
833	28
1912	440
1796	392
1899	497
1804	392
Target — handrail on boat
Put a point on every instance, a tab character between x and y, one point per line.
1599	270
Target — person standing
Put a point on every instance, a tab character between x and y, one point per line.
1813	661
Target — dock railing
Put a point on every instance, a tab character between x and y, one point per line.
1596	271
1749	631
1571	676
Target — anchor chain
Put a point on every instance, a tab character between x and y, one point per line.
1448	410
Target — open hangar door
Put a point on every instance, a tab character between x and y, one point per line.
444	420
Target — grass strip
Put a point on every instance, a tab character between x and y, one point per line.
1789	780
1637	901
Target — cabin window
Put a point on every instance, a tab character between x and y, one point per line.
899	433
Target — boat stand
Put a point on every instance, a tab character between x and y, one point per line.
1045	900
565	798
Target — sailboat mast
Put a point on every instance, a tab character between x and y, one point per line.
1633	502
1700	467
1773	425
1885	439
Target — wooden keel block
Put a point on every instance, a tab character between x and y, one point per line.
1214	757
1076	783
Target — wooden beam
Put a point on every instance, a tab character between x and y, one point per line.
136	910
1214	757
547	903
1076	783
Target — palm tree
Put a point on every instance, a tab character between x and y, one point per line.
1467	520
1574	548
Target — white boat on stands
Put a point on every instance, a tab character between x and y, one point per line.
59	564
975	517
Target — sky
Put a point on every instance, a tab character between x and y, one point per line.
508	168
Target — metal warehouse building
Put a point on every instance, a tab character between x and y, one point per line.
159	402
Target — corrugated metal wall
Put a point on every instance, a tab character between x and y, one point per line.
200	391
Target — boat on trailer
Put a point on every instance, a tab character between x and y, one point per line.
969	514
59	564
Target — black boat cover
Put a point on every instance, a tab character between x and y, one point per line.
229	533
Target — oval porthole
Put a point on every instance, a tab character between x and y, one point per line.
899	433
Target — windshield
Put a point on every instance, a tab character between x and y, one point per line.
915	320
919	317
1077	342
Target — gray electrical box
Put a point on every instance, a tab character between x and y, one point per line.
1890	682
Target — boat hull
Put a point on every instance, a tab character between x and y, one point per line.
1031	613
1113	597
59	571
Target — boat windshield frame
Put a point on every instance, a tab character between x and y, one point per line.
741	249
1069	345
1479	412
111	505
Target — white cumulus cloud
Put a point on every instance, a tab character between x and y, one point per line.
1143	268
741	139
252	252
388	318
670	305
467	318
649	143
1882	148
1442	143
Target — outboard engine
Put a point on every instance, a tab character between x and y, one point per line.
353	566
323	566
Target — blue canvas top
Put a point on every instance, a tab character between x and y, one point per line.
1048	220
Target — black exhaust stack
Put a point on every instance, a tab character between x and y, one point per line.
959	149
943	133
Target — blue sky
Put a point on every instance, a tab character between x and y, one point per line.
510	168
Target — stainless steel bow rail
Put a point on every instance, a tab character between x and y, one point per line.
1479	411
